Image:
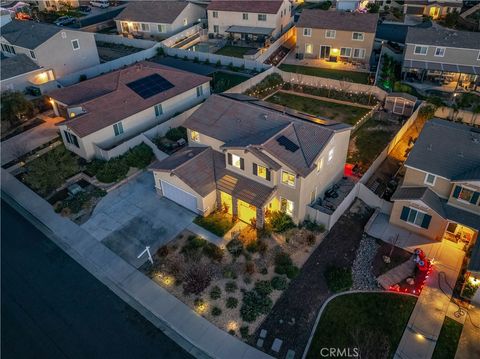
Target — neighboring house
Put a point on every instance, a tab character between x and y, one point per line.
433	8
351	5
107	110
335	35
250	158
158	18
62	50
440	194
442	57
248	20
53	5
19	72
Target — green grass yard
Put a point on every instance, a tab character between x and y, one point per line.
234	51
372	322
223	81
325	109
448	340
352	76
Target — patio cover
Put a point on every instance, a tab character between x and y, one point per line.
250	30
425	65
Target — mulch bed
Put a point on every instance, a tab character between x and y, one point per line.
293	316
397	257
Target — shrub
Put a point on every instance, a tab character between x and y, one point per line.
232	302
279	283
249	268
113	171
193	244
163	251
176	133
313	226
244	332
197	278
280	221
283	259
229	273
325	5
254	304
266	86
311	239
263	287
217	222
198	302
252	246
213	252
216	311
139	156
235	247
231	332
196	60
264	271
207	61
284	265
218	63
216	292
231	287
338	279
292	272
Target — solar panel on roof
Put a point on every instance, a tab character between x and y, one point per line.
289	145
150	85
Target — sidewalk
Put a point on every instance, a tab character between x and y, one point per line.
191	331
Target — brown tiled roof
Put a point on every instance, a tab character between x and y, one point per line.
257	6
159	11
107	99
338	20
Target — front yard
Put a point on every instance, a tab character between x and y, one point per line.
448	339
234	51
373	323
351	76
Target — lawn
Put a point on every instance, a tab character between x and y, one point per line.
218	223
352	76
234	51
448	339
325	109
372	322
223	81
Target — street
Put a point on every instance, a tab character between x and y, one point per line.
53	308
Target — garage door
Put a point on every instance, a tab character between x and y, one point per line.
179	196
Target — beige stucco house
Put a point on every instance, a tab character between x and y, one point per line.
251	158
59	49
335	35
251	21
105	111
53	5
158	19
432	8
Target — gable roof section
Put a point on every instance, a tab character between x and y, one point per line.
16	65
446	149
28	34
257	6
107	99
438	36
338	20
160	11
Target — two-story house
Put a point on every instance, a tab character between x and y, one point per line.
440	194
60	49
110	109
248	20
334	35
432	8
250	158
158	19
442	57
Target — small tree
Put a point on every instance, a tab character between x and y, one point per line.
14	107
373	8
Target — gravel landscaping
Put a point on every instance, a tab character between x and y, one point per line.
362	276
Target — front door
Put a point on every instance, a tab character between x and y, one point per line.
324	52
246	212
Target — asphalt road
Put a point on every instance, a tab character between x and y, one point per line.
53	308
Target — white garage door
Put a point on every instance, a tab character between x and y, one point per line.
179	196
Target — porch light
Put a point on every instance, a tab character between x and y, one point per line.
473	280
335	51
52	101
72	114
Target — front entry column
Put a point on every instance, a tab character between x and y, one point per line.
260	219
234	207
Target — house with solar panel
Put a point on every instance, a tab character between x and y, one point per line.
440	57
250	158
103	112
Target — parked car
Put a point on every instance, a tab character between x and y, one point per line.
84	8
100	3
64	20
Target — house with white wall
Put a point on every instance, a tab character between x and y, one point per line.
63	50
158	19
105	111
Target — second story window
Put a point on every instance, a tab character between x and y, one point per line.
320	165
261	171
118	128
199	91
75	45
430	179
307	32
32	54
288	178
330	34
71	138
158	110
466	194
440	52
194	136
357	36
245	16
330	155
415	217
262	17
162	28
236	161
420	50
215	14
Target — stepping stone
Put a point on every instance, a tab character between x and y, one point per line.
290	354
260	343
263	333
277	344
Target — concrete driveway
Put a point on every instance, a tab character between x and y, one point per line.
134	216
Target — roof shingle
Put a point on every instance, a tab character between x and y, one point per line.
16	65
28	34
338	20
257	6
159	11
438	36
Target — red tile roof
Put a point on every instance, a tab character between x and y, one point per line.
261	6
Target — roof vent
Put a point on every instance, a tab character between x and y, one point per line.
265	116
429	147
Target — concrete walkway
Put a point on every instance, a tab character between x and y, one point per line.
194	333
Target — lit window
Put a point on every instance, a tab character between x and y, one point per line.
262	17
466	194
286	206
215	14
330	34
420	50
158	110
308	48
345	51
195	136
307	32
288	178
440	52
320	165
430	179
357	36
237	161
261	171
75	44
245	16
330	155
118	128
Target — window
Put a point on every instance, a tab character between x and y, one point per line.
359	53
136	26
185	22
124	26
245	16
415	217
145	27
330	34
118	128
158	110
313	196
63	34
286	206
430	179
261	171
466	194
308	48
195	136
330	154
199	91
215	14
440	52
262	17
162	28
215	29
345	51
288	178
47	3
307	32
420	50
320	165
71	138
32	54
75	45
357	36
236	161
